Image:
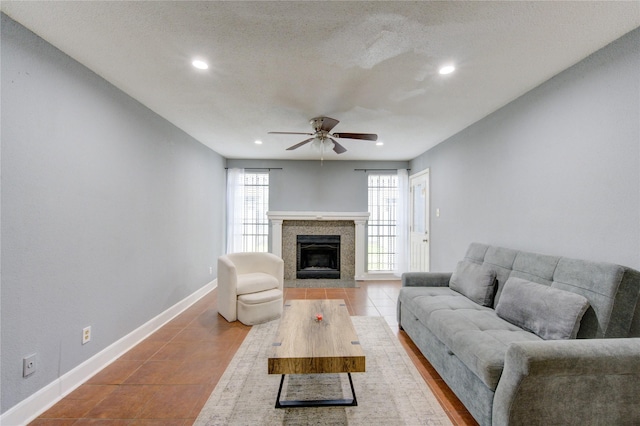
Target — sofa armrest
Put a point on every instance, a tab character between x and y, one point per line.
426	279
591	381
227	288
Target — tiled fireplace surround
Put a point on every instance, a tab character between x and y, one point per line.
286	226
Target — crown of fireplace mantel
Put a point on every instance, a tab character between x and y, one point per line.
359	218
294	215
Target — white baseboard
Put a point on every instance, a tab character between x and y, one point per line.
36	404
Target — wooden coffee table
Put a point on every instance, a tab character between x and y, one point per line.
304	345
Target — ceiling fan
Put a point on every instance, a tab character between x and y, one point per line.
322	139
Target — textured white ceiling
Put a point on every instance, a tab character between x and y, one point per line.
371	65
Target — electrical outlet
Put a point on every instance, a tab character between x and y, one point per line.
86	335
210	270
28	365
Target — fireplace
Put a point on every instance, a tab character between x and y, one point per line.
350	226
318	256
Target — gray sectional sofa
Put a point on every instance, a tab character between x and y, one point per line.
501	331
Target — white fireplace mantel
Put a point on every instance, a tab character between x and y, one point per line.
359	218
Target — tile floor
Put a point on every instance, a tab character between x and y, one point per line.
166	379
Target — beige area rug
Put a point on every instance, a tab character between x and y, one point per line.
391	392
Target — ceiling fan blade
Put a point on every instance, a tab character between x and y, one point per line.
328	123
289	133
337	148
298	145
364	136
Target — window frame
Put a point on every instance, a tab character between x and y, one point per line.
382	202
255	205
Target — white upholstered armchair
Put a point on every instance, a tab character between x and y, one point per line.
250	287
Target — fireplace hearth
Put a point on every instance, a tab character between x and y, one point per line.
318	256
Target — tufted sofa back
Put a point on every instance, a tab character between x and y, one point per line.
612	290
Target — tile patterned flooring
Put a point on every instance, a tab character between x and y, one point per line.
167	378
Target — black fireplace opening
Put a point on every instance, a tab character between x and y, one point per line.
318	256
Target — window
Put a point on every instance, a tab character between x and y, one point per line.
255	224
381	229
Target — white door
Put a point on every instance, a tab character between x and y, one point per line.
419	221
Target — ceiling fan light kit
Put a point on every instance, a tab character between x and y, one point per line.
322	139
322	144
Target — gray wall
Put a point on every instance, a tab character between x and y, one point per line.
315	186
110	215
557	171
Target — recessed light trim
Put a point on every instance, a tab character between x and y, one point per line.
379	143
258	142
200	64
447	69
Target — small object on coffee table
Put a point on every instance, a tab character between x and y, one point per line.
318	317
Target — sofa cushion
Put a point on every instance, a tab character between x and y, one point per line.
424	301
260	297
475	334
255	282
550	313
479	338
475	281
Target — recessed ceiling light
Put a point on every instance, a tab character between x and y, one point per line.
201	65
447	69
379	143
258	142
